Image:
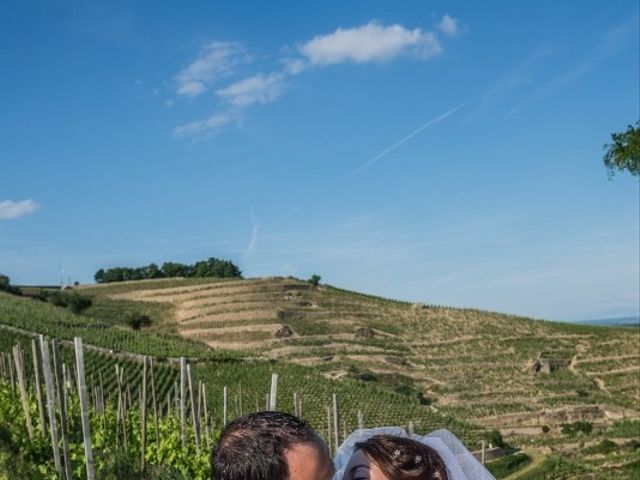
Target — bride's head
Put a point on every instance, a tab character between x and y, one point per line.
387	457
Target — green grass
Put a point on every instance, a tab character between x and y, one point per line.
509	464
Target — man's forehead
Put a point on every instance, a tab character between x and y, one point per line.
309	461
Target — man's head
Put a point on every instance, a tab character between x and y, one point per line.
270	446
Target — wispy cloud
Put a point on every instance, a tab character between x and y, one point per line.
207	127
514	80
259	88
10	210
610	44
216	61
368	163
449	25
369	43
255	230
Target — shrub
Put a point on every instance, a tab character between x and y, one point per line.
576	428
604	447
505	466
58	299
5	286
77	303
494	437
138	320
314	279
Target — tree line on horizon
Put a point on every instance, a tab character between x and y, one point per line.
213	267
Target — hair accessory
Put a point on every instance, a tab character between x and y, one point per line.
418	459
460	464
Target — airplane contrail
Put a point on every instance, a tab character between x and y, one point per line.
391	148
369	163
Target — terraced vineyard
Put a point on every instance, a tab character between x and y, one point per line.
247	380
502	371
394	362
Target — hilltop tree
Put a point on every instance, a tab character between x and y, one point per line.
99	276
314	279
4	282
172	269
5	286
623	153
213	267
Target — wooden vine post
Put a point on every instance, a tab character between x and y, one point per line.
143	416
329	442
206	414
36	372
194	416
23	390
84	408
273	397
68	470
51	411
336	420
225	405
183	374
155	403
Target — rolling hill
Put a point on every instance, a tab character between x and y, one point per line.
502	371
560	387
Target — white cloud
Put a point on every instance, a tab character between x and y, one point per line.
372	42
449	25
205	128
10	210
259	88
217	59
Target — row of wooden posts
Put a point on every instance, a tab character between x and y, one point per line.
54	397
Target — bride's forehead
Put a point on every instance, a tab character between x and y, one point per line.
360	457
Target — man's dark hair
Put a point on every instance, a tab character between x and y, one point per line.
253	447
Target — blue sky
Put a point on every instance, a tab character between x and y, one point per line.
444	152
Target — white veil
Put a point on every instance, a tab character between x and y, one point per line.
460	463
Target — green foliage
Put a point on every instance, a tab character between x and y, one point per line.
77	303
5	286
119	311
576	428
623	153
315	279
508	464
167	459
212	267
60	323
625	428
74	301
604	447
139	320
556	468
494	437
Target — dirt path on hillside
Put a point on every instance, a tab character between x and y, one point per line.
537	459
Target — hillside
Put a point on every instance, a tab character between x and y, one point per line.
565	389
247	380
502	371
